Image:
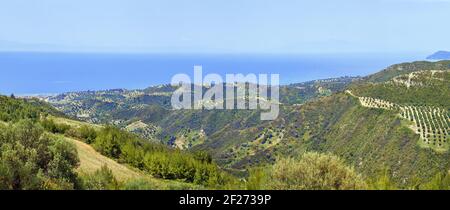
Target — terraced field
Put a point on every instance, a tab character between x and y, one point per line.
431	123
377	103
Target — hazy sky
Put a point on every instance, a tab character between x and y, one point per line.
225	26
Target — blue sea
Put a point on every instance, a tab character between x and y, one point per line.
51	73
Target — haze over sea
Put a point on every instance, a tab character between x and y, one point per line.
50	73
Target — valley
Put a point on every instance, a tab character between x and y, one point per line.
314	115
392	125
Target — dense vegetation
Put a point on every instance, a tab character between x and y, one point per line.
13	110
157	159
31	159
154	158
423	90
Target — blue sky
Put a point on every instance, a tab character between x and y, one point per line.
225	26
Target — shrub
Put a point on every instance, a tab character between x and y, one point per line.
102	179
30	159
132	155
52	127
87	133
257	179
314	171
108	142
203	157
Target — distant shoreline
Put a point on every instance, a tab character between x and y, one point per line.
34	73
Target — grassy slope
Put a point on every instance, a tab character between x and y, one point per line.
73	123
12	110
91	160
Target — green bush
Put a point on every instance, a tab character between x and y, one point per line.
87	133
102	179
314	171
30	159
203	157
257	179
132	155
108	142
52	127
13	110
84	133
179	165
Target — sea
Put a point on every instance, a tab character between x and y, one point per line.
37	73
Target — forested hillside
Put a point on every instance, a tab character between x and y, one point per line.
39	149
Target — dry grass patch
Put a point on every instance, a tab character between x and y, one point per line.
91	161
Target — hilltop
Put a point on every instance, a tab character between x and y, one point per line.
440	55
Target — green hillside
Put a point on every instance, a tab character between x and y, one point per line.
41	149
150	109
401	123
395	122
374	139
